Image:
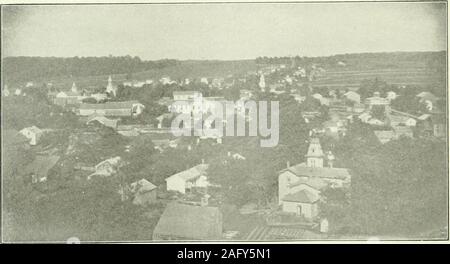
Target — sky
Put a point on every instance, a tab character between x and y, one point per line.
222	31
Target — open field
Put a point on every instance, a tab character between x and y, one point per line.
406	76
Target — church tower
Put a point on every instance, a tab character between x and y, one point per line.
314	157
74	88
262	83
110	88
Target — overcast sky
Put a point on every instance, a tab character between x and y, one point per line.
222	31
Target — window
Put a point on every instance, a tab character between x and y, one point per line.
299	210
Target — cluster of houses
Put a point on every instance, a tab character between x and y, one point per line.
300	186
376	111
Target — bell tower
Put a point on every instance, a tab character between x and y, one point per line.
262	82
110	88
314	157
74	88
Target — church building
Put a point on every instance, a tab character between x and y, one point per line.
300	186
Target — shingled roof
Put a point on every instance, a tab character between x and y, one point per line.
188	222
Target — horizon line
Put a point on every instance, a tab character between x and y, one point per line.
237	59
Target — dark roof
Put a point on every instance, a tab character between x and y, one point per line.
320	172
110	105
302	196
189	222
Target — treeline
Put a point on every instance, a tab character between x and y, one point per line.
434	60
17	69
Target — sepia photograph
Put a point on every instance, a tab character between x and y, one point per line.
284	122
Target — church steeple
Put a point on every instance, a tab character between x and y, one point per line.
262	82
110	88
314	157
74	88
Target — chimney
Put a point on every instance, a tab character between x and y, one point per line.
203	161
229	154
288	164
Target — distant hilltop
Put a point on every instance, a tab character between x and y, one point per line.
23	69
32	68
363	60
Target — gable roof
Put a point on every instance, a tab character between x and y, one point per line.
102	120
180	221
301	170
191	173
302	196
427	96
351	93
33	129
142	186
315	183
384	135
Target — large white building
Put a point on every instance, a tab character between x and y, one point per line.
300	186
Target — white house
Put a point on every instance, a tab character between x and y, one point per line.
6	91
353	96
33	133
18	92
166	80
204	80
194	177
323	100
99	96
107	167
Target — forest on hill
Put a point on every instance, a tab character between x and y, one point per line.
18	69
378	60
